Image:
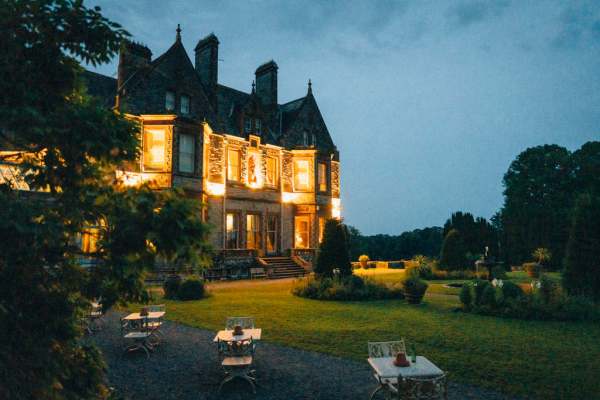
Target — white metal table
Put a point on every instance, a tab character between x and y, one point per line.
387	373
151	315
228	336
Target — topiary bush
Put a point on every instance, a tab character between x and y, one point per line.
511	290
466	296
191	289
171	286
488	297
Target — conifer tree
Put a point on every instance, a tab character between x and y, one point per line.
333	251
452	256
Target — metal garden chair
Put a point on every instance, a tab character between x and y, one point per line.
237	359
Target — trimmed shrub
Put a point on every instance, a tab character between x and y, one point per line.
479	286
333	251
498	272
351	288
171	286
511	290
466	296
488	297
191	289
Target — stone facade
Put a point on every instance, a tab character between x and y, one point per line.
268	173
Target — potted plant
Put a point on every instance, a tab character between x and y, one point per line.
364	261
414	288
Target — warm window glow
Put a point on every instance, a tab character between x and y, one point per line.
271	178
301	175
186	153
253	231
233	165
154	149
254	170
215	189
89	240
302	232
185	104
336	208
169	101
322	177
321	228
288	197
232	241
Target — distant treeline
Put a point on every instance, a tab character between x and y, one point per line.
427	242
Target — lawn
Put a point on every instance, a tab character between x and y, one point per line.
550	360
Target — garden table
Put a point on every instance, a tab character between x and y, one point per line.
228	336
387	373
151	315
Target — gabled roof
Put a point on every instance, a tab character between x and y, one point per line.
100	86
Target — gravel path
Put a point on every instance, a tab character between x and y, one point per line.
186	367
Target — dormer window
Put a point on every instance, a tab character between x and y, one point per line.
304	138
185	105
258	126
314	140
247	125
169	101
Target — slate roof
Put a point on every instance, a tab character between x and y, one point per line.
101	86
282	127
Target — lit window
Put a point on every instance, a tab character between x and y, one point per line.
322	177
271	178
186	153
253	231
89	240
169	101
272	233
302	232
254	173
233	165
154	149
233	224
185	105
301	175
321	228
247	125
258	126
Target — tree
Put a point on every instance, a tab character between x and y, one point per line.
452	256
542	255
537	202
586	162
477	233
333	251
581	275
68	146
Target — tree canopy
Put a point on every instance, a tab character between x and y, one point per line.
333	251
68	147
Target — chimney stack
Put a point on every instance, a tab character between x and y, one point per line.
266	84
132	56
207	60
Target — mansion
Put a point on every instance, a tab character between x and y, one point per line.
267	172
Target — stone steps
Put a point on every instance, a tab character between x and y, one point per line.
282	267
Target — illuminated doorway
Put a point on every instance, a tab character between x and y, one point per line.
302	232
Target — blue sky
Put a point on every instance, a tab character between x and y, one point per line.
427	101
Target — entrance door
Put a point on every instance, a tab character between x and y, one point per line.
302	232
272	226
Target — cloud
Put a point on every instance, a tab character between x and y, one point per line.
578	26
471	12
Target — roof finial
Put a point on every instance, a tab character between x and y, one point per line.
309	86
253	87
178	38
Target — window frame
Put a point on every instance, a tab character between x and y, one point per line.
167	98
297	233
189	102
236	230
275	166
153	166
238	177
192	154
257	232
308	187
322	176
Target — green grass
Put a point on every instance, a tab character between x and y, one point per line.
550	360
